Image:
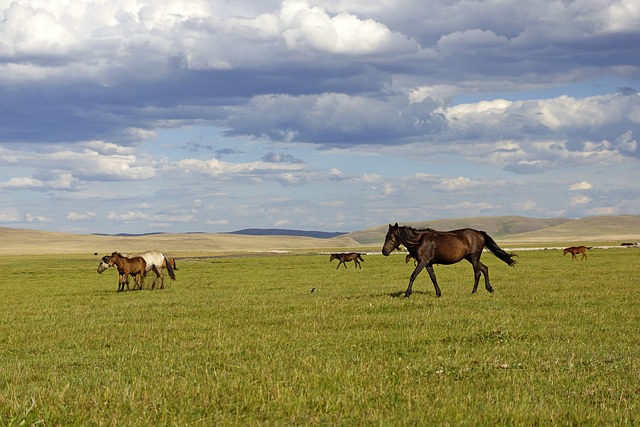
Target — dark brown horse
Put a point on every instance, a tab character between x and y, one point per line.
344	258
577	250
430	247
135	266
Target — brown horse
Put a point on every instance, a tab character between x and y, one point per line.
577	250
430	247
135	266
344	258
155	260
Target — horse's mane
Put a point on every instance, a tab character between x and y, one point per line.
412	235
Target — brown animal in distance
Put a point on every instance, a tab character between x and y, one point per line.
344	258
577	250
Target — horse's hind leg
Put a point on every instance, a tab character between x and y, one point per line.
159	274
432	275
485	272
476	277
480	269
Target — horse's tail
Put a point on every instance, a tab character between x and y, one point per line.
490	244
169	268
360	258
589	247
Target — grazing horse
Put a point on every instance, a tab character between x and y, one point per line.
135	266
430	247
155	260
576	250
344	258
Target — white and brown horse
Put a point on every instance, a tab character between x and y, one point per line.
155	261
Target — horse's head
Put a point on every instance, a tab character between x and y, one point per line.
112	259
332	257
103	266
391	242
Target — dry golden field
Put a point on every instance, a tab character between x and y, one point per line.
508	231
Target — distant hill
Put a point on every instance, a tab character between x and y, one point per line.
496	226
285	232
616	229
507	230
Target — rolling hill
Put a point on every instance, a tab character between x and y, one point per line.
508	230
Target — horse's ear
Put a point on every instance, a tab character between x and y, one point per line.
396	226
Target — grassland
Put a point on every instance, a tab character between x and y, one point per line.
244	341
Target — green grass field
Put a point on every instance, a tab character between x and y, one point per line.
244	341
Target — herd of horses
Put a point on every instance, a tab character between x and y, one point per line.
427	247
137	267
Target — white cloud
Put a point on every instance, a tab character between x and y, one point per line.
31	218
137	216
215	167
344	33
455	184
81	216
217	222
584	185
8	215
580	200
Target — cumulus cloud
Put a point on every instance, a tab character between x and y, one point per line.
54	180
344	33
97	97
584	185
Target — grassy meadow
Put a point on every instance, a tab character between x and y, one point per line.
245	341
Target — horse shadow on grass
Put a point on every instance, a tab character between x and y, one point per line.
400	294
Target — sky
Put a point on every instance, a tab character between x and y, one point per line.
139	116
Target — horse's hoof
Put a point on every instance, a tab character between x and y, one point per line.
407	295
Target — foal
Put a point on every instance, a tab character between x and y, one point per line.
344	258
135	266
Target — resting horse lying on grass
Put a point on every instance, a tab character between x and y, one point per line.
345	258
155	260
